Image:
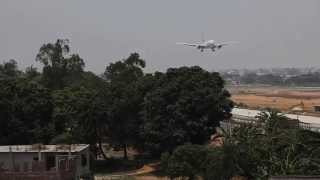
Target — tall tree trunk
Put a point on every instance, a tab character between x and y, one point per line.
125	153
101	150
100	143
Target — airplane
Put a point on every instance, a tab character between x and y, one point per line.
207	45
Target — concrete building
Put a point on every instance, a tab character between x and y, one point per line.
22	158
316	108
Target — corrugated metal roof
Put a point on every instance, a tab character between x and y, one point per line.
44	148
254	113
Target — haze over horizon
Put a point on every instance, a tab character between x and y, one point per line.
271	33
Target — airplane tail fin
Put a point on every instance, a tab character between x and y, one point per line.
202	37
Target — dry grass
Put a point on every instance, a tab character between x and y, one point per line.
277	97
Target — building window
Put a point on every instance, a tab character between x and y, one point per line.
35	158
84	160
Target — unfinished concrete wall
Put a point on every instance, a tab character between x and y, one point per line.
83	162
36	176
65	172
23	161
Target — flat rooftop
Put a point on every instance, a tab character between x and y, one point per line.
44	148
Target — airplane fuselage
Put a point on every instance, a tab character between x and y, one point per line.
207	45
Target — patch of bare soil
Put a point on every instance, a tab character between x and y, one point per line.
275	97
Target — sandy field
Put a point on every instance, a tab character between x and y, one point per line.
282	98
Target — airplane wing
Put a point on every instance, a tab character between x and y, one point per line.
224	44
188	44
227	43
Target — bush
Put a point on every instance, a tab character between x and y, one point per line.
185	161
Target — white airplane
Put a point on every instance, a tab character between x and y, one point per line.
207	45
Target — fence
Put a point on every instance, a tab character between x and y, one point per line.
294	178
237	120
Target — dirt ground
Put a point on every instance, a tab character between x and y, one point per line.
145	173
283	98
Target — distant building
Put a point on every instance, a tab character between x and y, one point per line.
316	108
50	160
298	108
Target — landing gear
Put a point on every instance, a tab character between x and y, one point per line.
213	50
201	50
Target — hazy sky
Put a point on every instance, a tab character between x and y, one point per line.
272	33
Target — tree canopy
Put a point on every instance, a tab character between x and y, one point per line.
253	151
184	105
25	111
125	100
60	67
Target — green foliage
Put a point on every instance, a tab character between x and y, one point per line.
64	138
277	148
125	71
273	119
61	104
125	100
310	79
65	104
255	151
201	162
9	70
295	79
185	161
79	111
25	111
222	163
182	105
253	78
31	73
60	68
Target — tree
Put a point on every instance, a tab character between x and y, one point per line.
9	70
79	116
249	78
202	162
185	161
183	105
270	79
74	114
125	100
31	73
60	68
276	148
25	111
254	151
222	163
309	79
274	120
